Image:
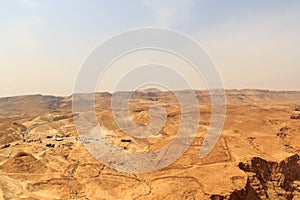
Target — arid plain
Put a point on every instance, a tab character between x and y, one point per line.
256	156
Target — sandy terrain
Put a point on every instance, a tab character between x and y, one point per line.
256	157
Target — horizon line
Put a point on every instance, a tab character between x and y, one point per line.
180	90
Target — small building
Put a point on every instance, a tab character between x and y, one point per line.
126	140
50	145
297	117
59	139
124	144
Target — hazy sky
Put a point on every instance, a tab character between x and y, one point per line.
255	44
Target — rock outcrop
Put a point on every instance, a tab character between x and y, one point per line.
273	180
268	180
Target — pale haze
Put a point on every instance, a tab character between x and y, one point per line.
254	44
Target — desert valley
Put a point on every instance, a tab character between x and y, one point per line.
256	157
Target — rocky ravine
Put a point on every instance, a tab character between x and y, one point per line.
269	179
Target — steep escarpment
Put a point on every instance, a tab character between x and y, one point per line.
268	180
274	180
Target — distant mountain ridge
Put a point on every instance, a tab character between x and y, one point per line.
247	96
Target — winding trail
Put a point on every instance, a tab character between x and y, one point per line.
71	178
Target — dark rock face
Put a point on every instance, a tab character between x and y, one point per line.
22	154
248	193
268	180
273	180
